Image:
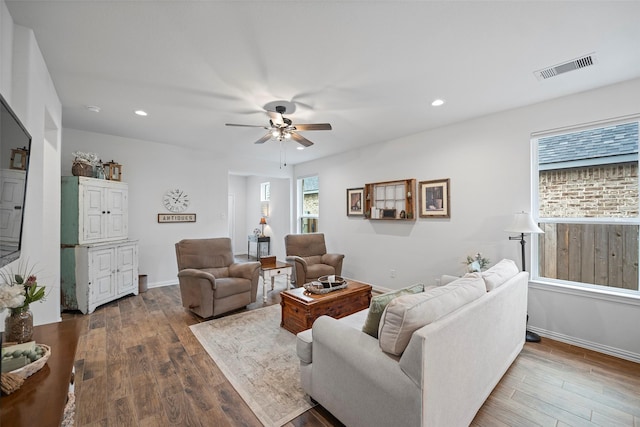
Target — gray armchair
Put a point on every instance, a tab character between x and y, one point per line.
308	254
211	283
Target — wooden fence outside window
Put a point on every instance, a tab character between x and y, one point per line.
600	254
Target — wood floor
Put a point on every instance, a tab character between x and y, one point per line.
138	364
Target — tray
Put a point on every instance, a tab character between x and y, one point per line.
337	281
33	367
319	287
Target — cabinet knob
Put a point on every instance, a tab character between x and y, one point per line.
108	212
103	212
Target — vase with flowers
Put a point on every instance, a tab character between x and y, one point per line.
17	293
477	263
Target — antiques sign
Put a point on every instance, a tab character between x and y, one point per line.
173	217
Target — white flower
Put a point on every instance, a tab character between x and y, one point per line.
91	158
11	296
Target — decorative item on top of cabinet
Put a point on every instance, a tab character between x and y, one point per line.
113	171
93	210
388	200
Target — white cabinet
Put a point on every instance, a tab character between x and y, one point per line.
93	210
93	275
97	262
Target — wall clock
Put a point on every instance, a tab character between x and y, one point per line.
176	200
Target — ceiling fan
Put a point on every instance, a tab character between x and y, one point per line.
281	128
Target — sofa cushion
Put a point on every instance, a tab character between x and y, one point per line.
378	304
499	274
408	313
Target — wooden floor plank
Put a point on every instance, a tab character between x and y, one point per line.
138	364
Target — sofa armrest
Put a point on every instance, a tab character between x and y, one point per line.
246	270
348	365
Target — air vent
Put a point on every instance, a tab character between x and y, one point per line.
565	67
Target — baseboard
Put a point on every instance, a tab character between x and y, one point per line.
611	351
161	284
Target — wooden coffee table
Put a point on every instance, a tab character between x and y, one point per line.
301	308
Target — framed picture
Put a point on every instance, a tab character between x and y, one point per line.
355	199
434	199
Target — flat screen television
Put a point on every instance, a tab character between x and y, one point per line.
15	146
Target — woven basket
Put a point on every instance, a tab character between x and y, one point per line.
82	169
33	367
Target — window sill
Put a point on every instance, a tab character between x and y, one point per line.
585	292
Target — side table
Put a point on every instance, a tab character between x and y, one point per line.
258	240
271	272
42	398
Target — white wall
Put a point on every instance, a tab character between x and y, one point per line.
488	162
238	192
26	85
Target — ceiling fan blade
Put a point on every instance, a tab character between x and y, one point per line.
264	139
276	118
301	139
313	126
246	126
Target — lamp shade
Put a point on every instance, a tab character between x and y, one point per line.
263	221
523	223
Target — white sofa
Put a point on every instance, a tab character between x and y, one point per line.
445	373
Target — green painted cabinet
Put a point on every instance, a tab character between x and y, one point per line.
93	210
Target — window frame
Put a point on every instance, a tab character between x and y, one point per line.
300	208
568	286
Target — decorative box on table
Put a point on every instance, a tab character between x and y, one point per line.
268	261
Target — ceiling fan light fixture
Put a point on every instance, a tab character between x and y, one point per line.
275	133
287	135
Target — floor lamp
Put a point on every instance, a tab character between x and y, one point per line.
523	224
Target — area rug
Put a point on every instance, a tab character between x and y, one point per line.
259	359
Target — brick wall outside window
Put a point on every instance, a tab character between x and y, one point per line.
590	192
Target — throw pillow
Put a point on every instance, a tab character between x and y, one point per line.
408	313
499	274
378	304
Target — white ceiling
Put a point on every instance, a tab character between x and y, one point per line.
370	68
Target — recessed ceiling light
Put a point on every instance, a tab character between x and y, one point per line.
93	108
141	113
437	102
300	147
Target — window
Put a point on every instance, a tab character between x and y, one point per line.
588	208
265	191
308	204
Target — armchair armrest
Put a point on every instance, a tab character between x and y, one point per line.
334	260
299	269
246	270
298	260
189	274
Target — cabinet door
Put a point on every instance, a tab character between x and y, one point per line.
94	214
127	269
11	197
102	269
117	226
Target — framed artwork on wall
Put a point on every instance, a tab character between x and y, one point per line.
434	199
355	199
